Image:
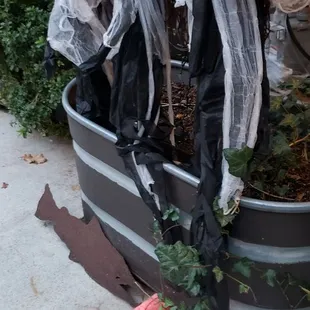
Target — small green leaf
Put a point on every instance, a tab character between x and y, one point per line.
172	214
290	120
281	190
202	305
276	104
238	160
280	145
270	276
244	289
281	174
259	185
195	289
168	302
243	267
219	275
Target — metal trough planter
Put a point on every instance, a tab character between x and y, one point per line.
274	235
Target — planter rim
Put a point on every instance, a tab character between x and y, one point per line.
250	203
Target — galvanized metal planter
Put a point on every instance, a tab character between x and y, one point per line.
275	235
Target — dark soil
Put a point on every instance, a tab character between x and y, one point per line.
297	179
183	100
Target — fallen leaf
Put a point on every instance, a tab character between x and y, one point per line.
179	116
34	159
75	187
4	185
300	196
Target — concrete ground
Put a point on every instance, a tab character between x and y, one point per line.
35	271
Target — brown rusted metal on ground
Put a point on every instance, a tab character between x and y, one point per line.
89	247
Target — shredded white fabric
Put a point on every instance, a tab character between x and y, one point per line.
74	30
243	61
291	6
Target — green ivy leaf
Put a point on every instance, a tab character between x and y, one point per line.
281	190
244	289
270	276
202	305
243	267
180	264
195	289
290	120
276	104
172	213
280	145
238	160
281	174
219	275
168	302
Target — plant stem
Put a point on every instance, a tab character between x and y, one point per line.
142	290
300	140
236	280
300	301
174	226
271	195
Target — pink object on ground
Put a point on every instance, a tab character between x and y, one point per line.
151	304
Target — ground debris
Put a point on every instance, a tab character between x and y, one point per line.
4	185
34	159
89	247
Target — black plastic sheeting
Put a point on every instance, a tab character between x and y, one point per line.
130	100
93	93
206	64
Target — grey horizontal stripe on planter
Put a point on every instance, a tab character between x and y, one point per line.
145	246
119	178
256	252
235	305
121	229
260	205
269	254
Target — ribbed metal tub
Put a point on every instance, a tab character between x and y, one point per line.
274	235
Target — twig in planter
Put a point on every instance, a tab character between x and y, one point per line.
249	287
283	291
300	140
142	290
174	226
271	195
300	301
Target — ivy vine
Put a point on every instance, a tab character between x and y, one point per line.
180	264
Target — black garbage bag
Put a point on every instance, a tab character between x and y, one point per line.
206	63
143	143
93	93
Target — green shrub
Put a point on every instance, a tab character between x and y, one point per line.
30	97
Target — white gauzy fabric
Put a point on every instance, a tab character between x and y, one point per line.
74	30
291	6
156	40
190	17
243	61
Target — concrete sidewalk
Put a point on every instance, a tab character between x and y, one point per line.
35	271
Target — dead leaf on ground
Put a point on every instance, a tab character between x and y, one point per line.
34	159
76	187
4	185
